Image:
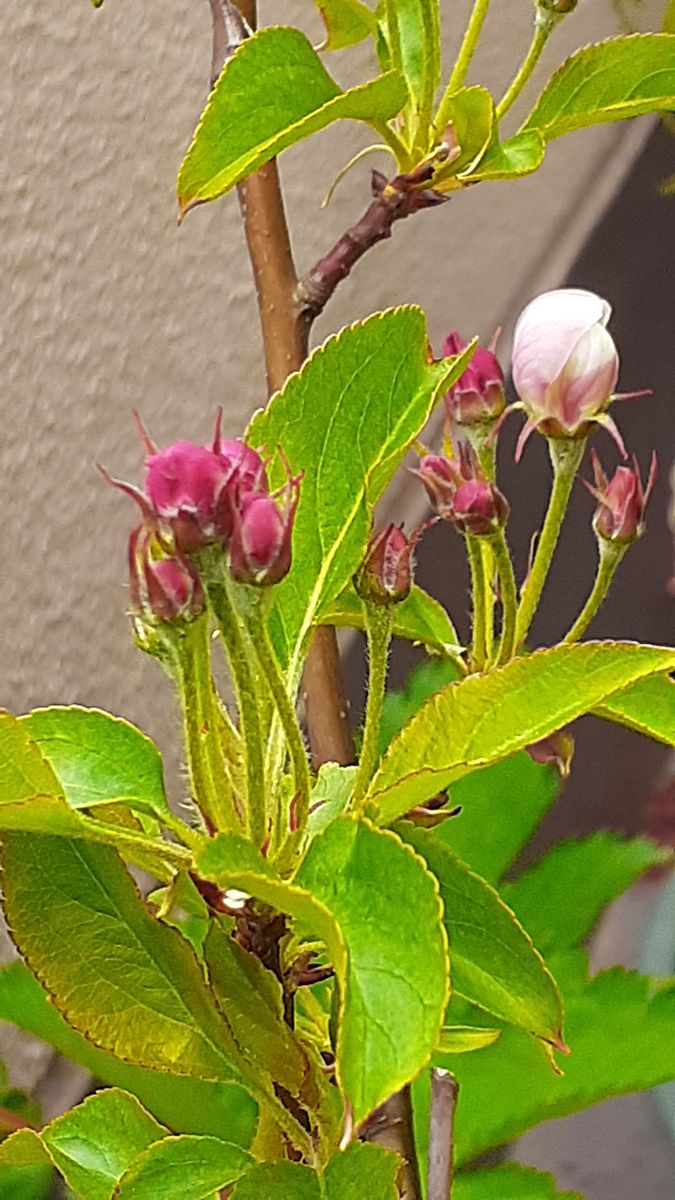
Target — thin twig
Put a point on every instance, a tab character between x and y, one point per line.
391	1126
444	1090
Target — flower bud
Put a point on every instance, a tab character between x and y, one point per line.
622	500
167	588
479	508
556	750
260	547
235	455
557	8
386	574
440	478
477	398
565	364
187	487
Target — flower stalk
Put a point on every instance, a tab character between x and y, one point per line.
611	554
379	619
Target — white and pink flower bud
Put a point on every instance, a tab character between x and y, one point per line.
565	365
622	501
477	397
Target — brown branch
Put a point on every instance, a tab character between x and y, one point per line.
444	1090
391	1126
285	331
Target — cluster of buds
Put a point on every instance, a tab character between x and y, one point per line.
460	493
196	496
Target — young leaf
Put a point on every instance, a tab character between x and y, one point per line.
330	795
250	1000
472	116
361	1170
272	93
647	707
561	897
494	963
419	39
623	77
487	717
501	806
347	23
67	904
464	1039
183	1168
278	1181
370	388
99	758
518	155
508	1181
184	1105
93	1144
369	898
622	1037
418	618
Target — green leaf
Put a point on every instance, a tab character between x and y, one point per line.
464	1039
330	795
23	1149
472	116
67	904
562	896
370	388
494	963
183	1168
272	93
418	618
184	1105
99	758
251	1001
93	1144
278	1181
419	39
347	23
487	717
518	155
622	1036
369	898
509	1181
623	77
400	704
361	1170
648	707
501	806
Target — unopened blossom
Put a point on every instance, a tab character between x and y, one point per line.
386	574
460	493
187	486
622	501
166	587
479	508
260	546
565	365
477	397
440	478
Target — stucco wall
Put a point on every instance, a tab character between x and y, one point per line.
109	306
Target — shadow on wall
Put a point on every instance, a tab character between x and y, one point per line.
629	260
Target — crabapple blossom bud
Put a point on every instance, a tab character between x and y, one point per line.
565	364
556	750
622	500
236	455
479	507
186	486
558	8
173	588
440	478
477	398
260	547
386	574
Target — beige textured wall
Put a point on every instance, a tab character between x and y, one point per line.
109	306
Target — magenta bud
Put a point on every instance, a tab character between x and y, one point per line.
622	501
440	478
477	398
260	547
235	455
479	507
556	750
184	484
386	574
173	588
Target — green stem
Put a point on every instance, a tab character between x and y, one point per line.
185	834
507	586
461	67
211	784
479	638
141	849
246	694
274	678
404	159
611	554
544	25
379	620
566	455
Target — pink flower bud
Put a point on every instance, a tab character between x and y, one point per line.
622	501
565	364
260	547
235	455
477	398
386	574
440	478
185	485
166	588
479	508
